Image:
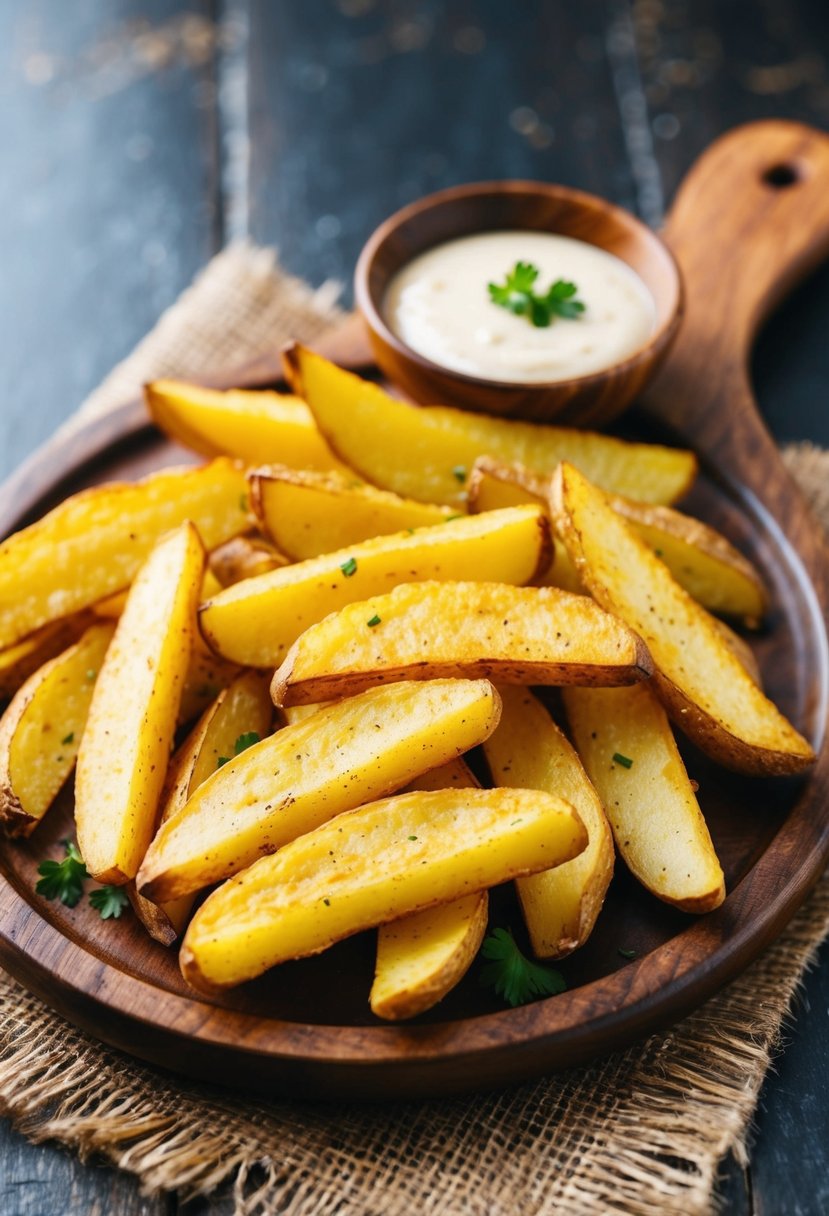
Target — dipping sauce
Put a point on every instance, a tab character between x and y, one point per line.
440	306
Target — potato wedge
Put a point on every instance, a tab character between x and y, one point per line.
240	709
427	453
426	849
513	635
23	659
255	622
528	750
41	730
700	558
307	513
125	748
252	426
704	686
93	543
656	820
244	557
298	713
292	782
420	958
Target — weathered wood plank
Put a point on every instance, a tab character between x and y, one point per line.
356	113
106	194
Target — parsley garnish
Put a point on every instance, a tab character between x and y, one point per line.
512	974
70	738
241	745
516	294
109	901
373	620
63	880
412	838
459	472
350	567
625	761
626	953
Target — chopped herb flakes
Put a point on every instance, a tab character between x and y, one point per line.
459	472
627	953
70	738
350	567
373	620
625	761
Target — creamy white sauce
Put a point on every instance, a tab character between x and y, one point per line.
439	305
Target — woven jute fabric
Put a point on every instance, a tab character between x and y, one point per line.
640	1132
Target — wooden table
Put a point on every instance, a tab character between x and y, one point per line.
138	136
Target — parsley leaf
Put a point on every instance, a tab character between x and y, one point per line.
109	901
626	953
63	880
513	976
517	295
373	621
70	738
625	761
245	741
350	567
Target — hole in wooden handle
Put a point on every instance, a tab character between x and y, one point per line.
782	175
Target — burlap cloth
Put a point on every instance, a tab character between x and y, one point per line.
641	1131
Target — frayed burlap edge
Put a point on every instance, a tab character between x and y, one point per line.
640	1132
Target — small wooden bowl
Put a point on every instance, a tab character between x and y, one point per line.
582	401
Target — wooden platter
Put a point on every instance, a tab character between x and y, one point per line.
751	219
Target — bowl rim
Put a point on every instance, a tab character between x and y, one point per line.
656	342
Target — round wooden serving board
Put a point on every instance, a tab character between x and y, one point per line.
751	220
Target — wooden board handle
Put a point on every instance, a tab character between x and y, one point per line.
750	221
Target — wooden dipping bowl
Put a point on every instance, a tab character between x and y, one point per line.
589	401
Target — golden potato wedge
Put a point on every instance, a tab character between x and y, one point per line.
625	741
252	426
255	622
23	659
426	453
292	782
243	709
420	958
41	730
513	635
704	686
426	849
700	558
125	748
298	713
111	608
528	750
308	513
93	543
243	557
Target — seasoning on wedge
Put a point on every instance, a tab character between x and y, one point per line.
303	775
370	866
256	621
512	635
41	730
241	715
705	687
560	906
427	452
126	746
93	543
626	744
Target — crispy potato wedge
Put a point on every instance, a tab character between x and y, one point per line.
125	748
700	558
23	659
250	426
426	453
111	608
307	513
656	820
513	635
426	849
298	713
93	543
255	622
292	782
243	707
528	750
41	730
420	958
244	557
704	686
